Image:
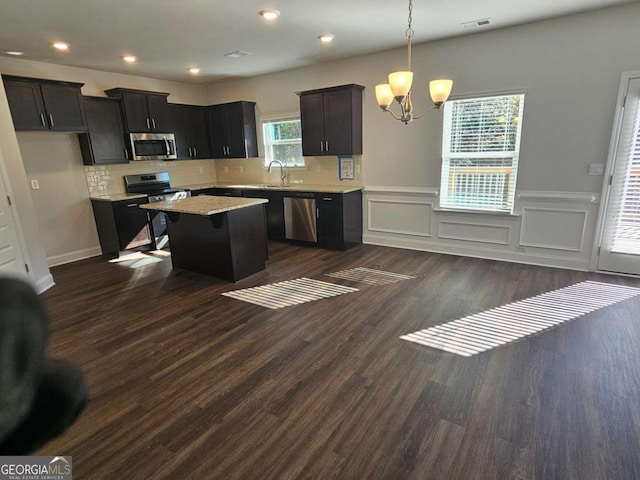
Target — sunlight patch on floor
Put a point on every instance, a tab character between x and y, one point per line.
369	276
288	293
486	330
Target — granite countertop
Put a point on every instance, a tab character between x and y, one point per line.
116	197
204	204
296	187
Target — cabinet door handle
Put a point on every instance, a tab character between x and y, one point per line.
190	152
132	205
328	199
321	146
153	123
148	124
42	120
195	152
51	120
326	146
126	154
317	212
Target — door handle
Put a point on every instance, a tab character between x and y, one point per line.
195	152
190	154
166	144
42	120
51	119
153	123
126	154
148	124
321	146
326	146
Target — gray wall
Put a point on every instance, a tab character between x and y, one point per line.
569	68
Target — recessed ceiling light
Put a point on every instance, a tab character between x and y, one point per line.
194	70
129	58
14	53
236	54
326	38
60	45
269	14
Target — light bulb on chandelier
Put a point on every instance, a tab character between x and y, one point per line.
399	87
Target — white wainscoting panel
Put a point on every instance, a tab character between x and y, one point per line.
547	228
474	232
553	228
404	217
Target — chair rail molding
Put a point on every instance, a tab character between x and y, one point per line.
428	192
564	197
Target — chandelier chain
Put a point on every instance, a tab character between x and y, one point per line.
409	34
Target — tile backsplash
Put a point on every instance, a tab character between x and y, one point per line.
108	179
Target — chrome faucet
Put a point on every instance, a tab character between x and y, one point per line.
283	174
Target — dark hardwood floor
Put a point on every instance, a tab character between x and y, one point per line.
188	384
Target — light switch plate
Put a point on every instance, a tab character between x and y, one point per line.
35	185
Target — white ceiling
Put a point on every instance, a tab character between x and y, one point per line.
168	36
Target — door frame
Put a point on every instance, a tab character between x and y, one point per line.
22	245
625	78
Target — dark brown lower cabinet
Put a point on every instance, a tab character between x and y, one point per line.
274	211
339	220
122	225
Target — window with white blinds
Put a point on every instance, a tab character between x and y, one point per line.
480	149
626	201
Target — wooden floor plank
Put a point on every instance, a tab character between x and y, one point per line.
187	383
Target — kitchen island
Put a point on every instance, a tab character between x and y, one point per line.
224	237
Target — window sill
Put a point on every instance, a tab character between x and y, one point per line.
477	212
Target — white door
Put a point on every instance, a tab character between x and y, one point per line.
620	241
11	258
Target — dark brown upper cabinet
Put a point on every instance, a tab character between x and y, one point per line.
39	104
191	129
331	120
143	111
105	141
233	130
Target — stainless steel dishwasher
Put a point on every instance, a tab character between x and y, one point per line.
300	216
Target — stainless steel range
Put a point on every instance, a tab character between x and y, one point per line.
157	186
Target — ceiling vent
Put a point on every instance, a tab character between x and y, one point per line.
236	54
477	23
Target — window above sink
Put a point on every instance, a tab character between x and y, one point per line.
282	137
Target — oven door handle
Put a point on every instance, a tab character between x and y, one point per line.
166	144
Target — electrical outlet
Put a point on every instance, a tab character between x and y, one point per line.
35	185
357	168
318	169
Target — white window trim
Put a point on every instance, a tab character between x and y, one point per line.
278	117
515	154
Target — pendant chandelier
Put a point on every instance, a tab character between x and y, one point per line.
399	87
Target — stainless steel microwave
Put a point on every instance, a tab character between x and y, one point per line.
153	146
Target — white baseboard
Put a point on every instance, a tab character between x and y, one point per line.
43	284
478	252
74	256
